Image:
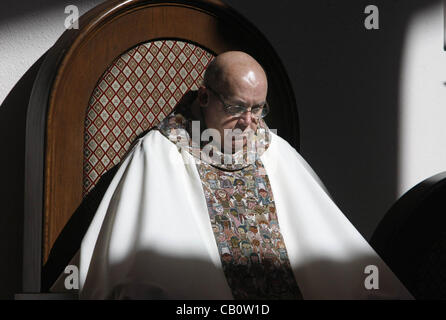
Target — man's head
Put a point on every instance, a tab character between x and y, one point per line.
232	78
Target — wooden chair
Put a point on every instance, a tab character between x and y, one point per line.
99	86
411	238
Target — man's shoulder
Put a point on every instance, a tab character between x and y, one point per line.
282	154
152	139
279	144
151	142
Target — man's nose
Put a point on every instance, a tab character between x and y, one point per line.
246	118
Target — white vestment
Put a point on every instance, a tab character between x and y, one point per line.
151	236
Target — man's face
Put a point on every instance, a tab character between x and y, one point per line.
244	92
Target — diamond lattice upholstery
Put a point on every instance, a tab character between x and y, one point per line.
136	92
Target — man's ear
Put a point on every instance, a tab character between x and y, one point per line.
203	96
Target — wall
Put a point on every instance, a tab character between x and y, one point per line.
27	30
422	132
370	101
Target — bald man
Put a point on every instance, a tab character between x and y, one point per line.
237	78
213	205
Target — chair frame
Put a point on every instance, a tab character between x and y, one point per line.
409	229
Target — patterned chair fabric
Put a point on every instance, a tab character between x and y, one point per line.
135	93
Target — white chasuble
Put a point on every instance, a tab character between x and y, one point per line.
152	238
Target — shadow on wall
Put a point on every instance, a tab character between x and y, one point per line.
12	163
346	81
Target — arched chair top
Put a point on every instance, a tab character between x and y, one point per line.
411	238
70	72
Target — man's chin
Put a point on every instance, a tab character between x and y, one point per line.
239	144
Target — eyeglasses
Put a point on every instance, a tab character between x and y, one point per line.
259	111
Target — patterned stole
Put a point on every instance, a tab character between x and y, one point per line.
244	221
242	212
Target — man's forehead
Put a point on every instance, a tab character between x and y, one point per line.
245	76
243	92
245	98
